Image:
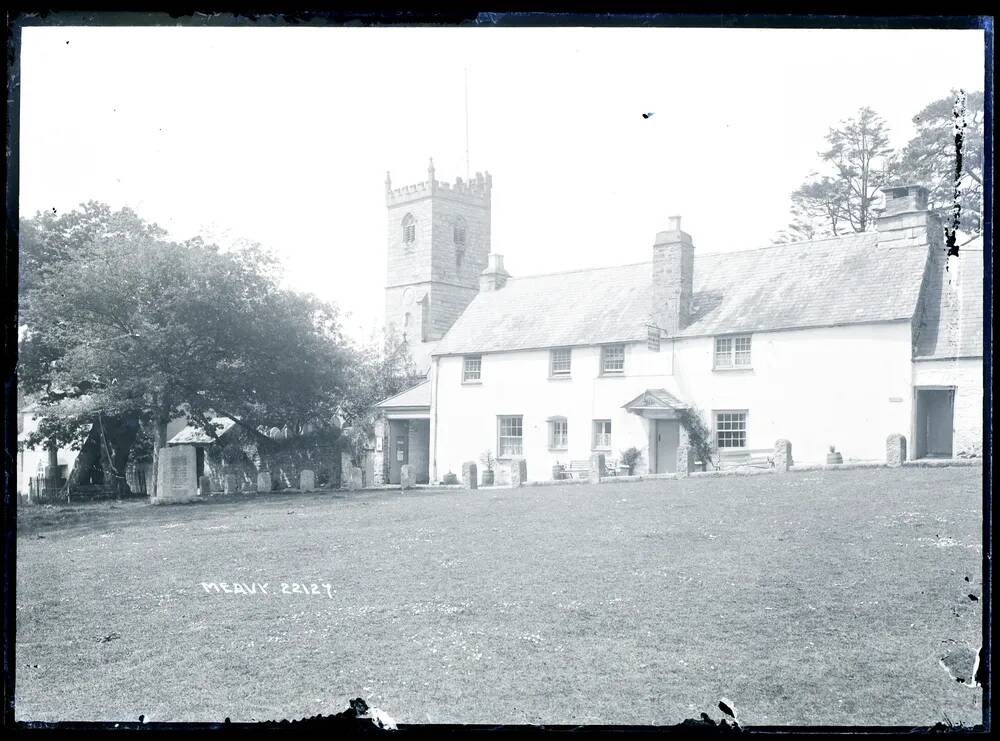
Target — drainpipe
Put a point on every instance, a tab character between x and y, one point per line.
434	419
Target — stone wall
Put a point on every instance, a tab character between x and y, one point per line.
285	466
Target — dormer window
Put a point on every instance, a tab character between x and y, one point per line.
409	230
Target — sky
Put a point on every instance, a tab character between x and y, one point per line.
283	136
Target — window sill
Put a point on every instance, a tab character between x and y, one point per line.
566	377
612	374
472	383
731	368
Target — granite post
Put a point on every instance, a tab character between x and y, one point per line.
596	468
895	450
783	456
470	475
518	471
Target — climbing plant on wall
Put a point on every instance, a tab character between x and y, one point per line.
699	436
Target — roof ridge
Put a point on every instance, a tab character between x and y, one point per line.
701	254
579	270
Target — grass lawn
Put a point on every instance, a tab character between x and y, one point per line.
804	598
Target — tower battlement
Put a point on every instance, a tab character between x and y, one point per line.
475	190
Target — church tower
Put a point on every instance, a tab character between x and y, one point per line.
438	244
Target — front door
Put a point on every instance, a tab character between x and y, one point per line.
398	453
938	411
667	439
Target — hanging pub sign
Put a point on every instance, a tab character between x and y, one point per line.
653	338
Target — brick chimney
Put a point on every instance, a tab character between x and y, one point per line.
905	220
673	278
494	276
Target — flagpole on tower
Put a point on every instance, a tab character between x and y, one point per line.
466	123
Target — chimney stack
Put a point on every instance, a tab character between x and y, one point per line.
905	220
673	278
494	276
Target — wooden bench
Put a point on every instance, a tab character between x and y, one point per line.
578	469
751	458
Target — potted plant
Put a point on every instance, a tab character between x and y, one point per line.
490	463
833	456
630	458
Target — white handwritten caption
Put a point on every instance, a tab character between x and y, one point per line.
267	589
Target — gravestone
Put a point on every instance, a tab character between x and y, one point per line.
230	485
518	471
407	476
685	460
782	456
357	478
177	478
205	486
307	480
895	450
346	469
596	468
470	475
264	481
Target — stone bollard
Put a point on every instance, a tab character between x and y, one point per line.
357	478
685	461
470	475
518	471
596	468
264	481
307	480
407	476
229	484
895	450
782	456
205	486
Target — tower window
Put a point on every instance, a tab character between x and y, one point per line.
409	229
458	236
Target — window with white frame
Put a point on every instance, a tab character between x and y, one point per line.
558	433
732	352
560	361
472	368
602	434
612	359
510	436
409	229
731	429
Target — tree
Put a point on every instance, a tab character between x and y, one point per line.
859	161
380	370
123	324
931	158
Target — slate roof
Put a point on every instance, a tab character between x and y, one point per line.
952	325
194	434
418	397
846	280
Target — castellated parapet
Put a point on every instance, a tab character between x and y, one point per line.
474	191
